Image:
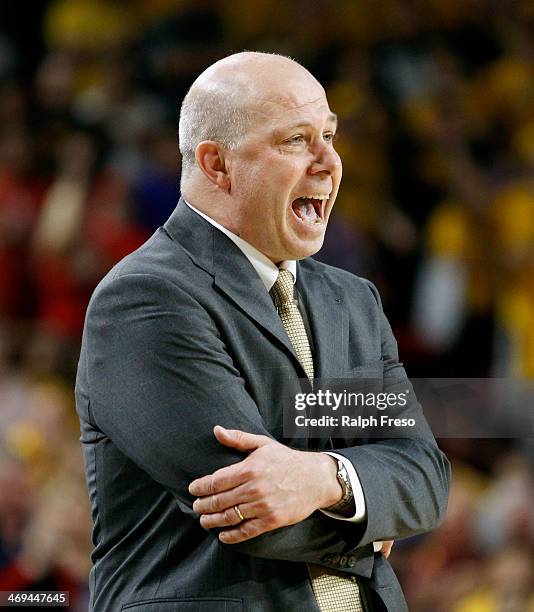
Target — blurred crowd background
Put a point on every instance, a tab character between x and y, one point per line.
436	107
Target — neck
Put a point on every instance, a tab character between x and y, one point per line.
218	207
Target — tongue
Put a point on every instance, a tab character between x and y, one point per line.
304	210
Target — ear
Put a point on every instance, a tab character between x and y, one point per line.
210	158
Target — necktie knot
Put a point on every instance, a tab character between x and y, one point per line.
282	291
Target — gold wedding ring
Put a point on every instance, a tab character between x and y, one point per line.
238	512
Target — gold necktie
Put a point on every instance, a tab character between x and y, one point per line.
334	591
282	294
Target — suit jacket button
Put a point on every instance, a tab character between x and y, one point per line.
327	558
351	561
335	559
343	561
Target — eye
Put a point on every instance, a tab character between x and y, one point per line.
329	137
297	139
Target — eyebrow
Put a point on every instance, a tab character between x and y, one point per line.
331	117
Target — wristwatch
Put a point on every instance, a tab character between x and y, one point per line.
347	498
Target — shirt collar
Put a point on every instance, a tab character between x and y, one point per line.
265	268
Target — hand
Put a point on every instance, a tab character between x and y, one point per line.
274	486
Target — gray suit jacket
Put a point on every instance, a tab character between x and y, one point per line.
182	335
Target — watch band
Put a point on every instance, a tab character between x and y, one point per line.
347	498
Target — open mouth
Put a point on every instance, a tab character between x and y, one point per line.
310	209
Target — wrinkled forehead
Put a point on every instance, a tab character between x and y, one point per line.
291	99
290	109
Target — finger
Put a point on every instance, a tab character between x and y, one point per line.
221	501
241	440
244	531
222	480
387	545
226	518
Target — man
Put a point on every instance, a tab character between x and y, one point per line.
187	346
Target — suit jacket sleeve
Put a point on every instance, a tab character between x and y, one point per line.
405	480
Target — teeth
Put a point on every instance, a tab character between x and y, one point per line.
316	197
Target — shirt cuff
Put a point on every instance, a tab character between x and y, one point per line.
357	491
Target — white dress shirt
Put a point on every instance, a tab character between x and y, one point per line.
268	273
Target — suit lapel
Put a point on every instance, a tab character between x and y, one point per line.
237	278
233	274
329	320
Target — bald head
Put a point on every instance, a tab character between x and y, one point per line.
226	100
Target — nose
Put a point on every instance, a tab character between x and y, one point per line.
325	159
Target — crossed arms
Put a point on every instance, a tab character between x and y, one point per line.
160	378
